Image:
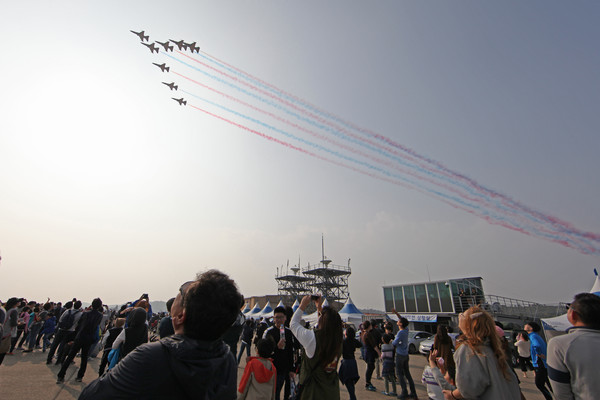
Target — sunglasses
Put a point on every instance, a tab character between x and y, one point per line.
183	289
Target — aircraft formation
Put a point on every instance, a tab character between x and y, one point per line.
153	47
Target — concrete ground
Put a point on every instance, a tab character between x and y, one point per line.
25	376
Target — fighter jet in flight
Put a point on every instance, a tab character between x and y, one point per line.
162	66
152	47
180	44
141	35
171	85
181	101
192	47
165	45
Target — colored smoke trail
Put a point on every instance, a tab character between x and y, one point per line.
534	215
375	155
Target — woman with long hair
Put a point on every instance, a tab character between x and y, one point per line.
321	353
442	342
482	370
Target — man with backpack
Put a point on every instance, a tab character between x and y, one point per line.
66	330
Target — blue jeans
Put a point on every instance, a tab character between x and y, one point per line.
242	347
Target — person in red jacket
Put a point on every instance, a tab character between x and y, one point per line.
258	381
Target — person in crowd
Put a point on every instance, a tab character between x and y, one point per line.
192	363
433	376
402	369
48	330
387	361
9	326
482	370
107	342
573	358
524	349
260	375
22	328
85	336
283	355
322	351
538	358
442	344
134	335
260	330
34	328
62	331
69	338
247	335
348	371
372	352
165	326
232	336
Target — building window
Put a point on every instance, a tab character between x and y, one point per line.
421	295
399	299
409	298
434	298
388	299
445	298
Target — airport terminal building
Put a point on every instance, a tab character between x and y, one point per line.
430	303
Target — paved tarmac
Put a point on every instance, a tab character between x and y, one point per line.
25	376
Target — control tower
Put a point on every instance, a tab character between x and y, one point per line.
328	279
292	285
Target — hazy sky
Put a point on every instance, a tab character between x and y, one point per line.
109	188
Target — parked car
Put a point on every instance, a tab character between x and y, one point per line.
425	346
415	338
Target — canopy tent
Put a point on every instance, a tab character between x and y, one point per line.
246	308
280	304
559	325
350	314
267	311
254	312
295	305
314	317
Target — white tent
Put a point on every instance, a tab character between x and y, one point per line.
350	314
246	309
280	304
267	311
254	312
558	325
295	305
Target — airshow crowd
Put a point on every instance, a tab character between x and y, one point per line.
192	350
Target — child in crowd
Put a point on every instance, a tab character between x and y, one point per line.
107	342
258	381
48	330
387	358
348	372
437	377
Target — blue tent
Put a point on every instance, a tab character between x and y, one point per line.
267	311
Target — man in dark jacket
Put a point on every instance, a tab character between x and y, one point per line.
194	363
283	356
87	332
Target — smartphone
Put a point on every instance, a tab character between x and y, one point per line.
315	296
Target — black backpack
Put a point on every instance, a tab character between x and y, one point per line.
67	321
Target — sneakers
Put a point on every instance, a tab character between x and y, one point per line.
27	351
48	362
78	379
393	394
60	380
370	387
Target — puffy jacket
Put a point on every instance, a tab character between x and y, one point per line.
176	367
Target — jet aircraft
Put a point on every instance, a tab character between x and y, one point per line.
162	66
193	47
171	85
152	47
180	44
181	101
141	35
165	45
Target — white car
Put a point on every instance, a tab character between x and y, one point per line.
425	346
415	338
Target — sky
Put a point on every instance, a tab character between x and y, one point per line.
111	189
